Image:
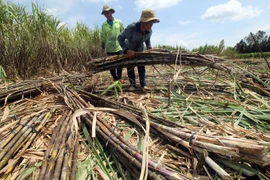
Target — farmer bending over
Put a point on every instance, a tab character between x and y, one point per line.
132	40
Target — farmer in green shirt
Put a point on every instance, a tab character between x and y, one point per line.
132	40
111	28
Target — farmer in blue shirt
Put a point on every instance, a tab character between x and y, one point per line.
132	40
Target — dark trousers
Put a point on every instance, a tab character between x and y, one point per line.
132	78
116	73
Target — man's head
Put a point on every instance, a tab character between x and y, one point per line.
107	11
147	19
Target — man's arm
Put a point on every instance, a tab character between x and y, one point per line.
124	36
148	43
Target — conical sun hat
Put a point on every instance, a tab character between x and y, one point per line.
148	15
107	8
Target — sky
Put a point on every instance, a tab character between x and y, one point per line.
186	23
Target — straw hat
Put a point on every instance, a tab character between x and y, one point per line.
107	8
148	15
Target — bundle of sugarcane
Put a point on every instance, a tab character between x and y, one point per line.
26	127
37	139
33	87
19	128
125	152
60	160
153	57
60	156
230	150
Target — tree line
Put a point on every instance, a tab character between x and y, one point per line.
250	44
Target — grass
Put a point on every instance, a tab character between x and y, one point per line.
37	44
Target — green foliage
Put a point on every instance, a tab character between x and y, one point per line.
3	75
99	157
221	47
253	55
251	42
168	47
220	50
229	53
210	49
26	173
86	168
117	85
35	43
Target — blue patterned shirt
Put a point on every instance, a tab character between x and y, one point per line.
132	38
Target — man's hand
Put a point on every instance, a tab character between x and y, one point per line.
149	48
130	53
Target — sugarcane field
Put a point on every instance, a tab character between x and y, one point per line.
204	117
205	114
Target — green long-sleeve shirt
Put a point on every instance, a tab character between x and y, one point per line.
109	35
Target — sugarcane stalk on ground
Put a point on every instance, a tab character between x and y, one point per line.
36	86
116	141
97	101
54	158
169	128
168	174
27	138
11	147
236	147
186	58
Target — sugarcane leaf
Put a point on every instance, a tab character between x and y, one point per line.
3	74
99	153
119	86
115	93
129	134
107	160
110	87
255	77
118	166
140	143
85	168
29	171
6	113
71	86
128	116
240	118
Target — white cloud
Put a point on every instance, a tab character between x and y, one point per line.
155	4
184	22
98	1
268	7
233	10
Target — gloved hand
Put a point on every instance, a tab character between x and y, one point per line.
130	53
